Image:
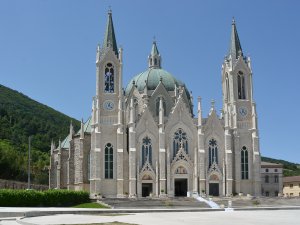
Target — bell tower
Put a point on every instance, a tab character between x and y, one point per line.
241	132
106	167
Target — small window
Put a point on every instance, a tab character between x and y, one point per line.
267	170
276	193
276	170
267	193
291	194
291	185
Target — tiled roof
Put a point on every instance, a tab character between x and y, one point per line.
291	179
87	126
271	165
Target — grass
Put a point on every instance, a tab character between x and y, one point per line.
93	205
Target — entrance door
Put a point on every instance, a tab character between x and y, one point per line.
146	189
214	189
181	187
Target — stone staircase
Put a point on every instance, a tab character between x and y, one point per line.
153	203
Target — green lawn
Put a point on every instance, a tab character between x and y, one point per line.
110	223
91	205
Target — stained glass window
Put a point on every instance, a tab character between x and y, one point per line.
109	160
212	152
146	150
241	86
180	138
244	163
109	78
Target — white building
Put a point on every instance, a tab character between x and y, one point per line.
145	139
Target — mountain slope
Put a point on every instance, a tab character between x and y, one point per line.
21	117
289	168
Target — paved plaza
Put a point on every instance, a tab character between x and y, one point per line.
263	217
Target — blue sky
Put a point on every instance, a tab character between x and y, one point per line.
47	51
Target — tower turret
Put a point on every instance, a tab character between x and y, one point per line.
154	59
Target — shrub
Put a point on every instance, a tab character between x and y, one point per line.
32	198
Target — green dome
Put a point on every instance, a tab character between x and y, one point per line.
152	77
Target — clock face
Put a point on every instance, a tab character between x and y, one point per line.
243	111
109	105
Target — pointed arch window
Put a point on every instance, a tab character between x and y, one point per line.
212	152
109	82
244	163
164	106
241	85
146	151
180	139
109	161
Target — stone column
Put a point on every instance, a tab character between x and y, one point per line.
132	152
201	151
168	172
228	162
162	151
195	181
237	162
120	152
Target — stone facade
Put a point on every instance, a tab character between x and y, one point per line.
145	139
271	179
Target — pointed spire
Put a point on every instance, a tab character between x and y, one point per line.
154	59
109	38
161	111
131	115
235	49
71	129
199	112
82	129
59	144
52	146
212	106
154	50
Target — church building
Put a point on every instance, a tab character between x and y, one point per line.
144	140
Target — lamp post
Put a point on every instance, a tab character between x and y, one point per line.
29	159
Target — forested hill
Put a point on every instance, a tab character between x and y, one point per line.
21	117
289	169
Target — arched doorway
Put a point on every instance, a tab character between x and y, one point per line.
181	182
147	185
214	185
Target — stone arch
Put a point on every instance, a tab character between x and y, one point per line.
147	179
186	177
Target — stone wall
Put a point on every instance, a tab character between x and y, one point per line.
11	184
